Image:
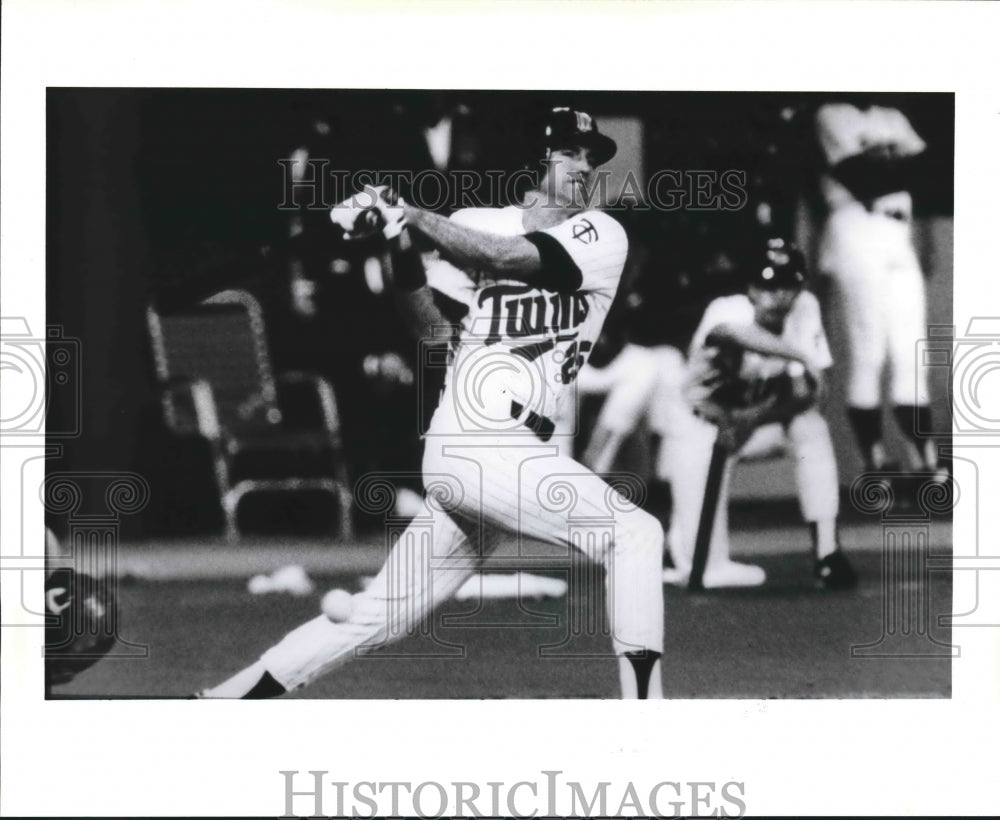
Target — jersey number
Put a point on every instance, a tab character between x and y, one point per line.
572	360
576	355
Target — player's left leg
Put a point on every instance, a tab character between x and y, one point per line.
854	251
819	496
669	411
431	560
909	388
690	474
668	416
522	485
630	383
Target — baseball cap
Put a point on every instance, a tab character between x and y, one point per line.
565	127
781	265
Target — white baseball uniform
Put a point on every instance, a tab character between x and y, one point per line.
867	248
487	470
642	384
807	433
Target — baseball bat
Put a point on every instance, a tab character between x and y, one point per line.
713	484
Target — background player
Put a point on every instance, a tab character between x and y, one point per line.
546	273
679	268
756	363
867	248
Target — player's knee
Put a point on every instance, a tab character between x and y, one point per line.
864	385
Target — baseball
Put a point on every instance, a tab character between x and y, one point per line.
337	605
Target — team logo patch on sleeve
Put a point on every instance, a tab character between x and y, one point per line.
584	231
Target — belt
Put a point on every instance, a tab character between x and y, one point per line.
539	425
899	216
888	211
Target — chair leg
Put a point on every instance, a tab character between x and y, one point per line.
230	505
346	524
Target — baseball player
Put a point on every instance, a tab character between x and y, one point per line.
545	273
867	249
645	380
756	364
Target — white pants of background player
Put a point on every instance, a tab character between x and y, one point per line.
493	486
640	383
871	258
807	436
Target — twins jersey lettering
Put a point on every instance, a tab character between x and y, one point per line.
521	343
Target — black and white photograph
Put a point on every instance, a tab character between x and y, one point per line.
449	394
441	411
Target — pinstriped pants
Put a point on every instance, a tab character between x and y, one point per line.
481	489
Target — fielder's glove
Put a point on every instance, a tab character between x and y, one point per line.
377	209
797	386
737	425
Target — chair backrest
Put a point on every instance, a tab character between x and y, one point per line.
223	342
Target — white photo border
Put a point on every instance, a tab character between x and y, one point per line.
75	758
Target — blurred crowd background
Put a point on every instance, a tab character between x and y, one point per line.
164	197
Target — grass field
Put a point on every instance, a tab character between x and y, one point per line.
786	639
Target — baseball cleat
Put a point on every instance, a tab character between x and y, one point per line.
835	571
720	575
733	574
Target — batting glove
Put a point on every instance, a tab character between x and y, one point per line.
390	208
375	209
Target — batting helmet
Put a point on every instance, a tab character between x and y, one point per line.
568	128
781	265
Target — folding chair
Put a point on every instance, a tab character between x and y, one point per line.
265	433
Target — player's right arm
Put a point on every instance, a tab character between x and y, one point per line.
413	295
585	252
758	340
513	257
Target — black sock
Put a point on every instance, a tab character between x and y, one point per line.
830	535
914	419
642	664
866	423
266	687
